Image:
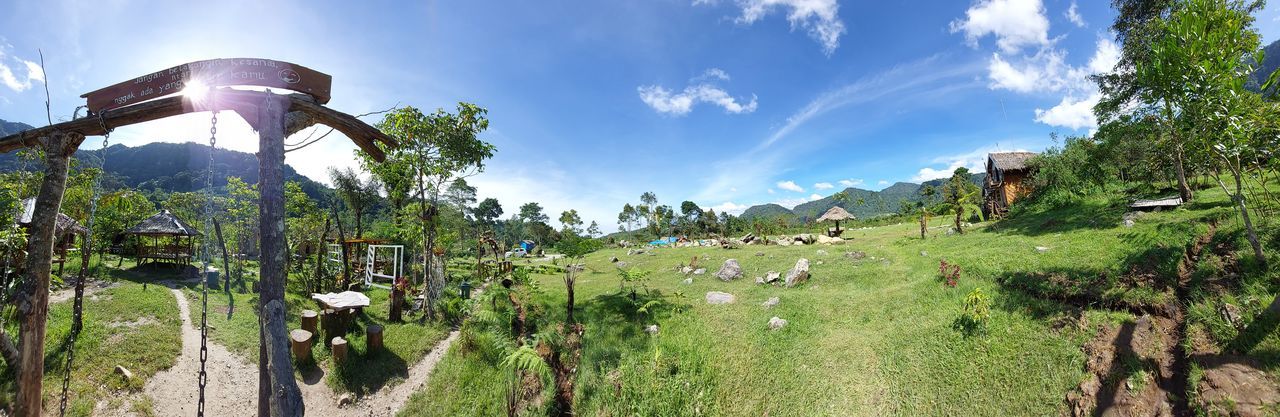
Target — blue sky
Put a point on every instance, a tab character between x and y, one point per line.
728	103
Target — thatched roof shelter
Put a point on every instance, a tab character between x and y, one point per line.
1010	161
65	224
836	213
163	223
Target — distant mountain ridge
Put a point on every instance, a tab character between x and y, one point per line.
170	167
874	203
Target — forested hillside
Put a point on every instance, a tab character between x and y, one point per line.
169	167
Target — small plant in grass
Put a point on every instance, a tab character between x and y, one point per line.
950	273
976	314
630	279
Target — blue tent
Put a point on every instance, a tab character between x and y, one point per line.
663	241
527	245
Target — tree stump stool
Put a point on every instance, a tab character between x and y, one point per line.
373	341
309	318
339	349
300	344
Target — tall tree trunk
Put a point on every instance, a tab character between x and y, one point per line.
342	247
1250	233
275	368
359	224
1184	190
959	215
322	252
33	294
924	225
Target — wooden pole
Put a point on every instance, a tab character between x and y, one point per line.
342	243
33	295
322	253
276	386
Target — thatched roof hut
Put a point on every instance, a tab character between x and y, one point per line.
65	224
1006	181
163	223
835	214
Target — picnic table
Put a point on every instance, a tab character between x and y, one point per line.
339	310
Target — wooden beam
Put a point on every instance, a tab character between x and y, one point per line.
241	101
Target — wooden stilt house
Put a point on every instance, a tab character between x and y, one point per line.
1006	182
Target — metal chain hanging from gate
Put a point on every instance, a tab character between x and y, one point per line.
206	256
77	318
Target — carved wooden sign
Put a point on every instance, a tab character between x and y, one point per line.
213	73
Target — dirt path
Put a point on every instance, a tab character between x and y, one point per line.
233	383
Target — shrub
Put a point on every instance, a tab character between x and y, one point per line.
977	312
950	273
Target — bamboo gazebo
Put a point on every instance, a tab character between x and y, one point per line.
835	214
65	231
164	238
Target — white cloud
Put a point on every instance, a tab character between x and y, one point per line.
790	186
1014	23
713	73
882	182
771	191
819	18
975	160
702	90
1071	113
823	186
814	197
791	203
730	207
1073	14
851	182
19	83
1105	57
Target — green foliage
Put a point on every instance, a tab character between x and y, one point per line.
961	197
576	247
630	279
1062	175
976	312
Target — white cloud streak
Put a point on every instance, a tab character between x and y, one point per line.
1073	15
823	186
702	90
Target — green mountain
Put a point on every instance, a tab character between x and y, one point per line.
862	203
766	211
169	167
1270	63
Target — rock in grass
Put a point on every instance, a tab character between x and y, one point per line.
776	323
620	264
1041	249
798	274
759	253
772	276
729	271
856	255
124	372
613	259
760	281
771	302
717	297
687	281
652	330
700	271
686	270
345	400
822	252
923	253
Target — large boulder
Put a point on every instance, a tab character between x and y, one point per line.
827	240
805	238
771	302
729	271
717	297
798	274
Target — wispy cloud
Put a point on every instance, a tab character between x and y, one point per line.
28	72
891	83
790	186
701	90
823	186
820	18
1073	15
851	182
730	207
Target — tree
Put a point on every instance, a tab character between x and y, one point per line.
594	229
961	197
356	193
572	223
627	217
488	212
436	148
922	208
461	194
532	212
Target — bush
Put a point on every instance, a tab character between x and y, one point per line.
977	312
950	273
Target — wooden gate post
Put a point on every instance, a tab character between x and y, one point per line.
276	387
33	295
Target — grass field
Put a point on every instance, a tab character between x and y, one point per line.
126	325
870	336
